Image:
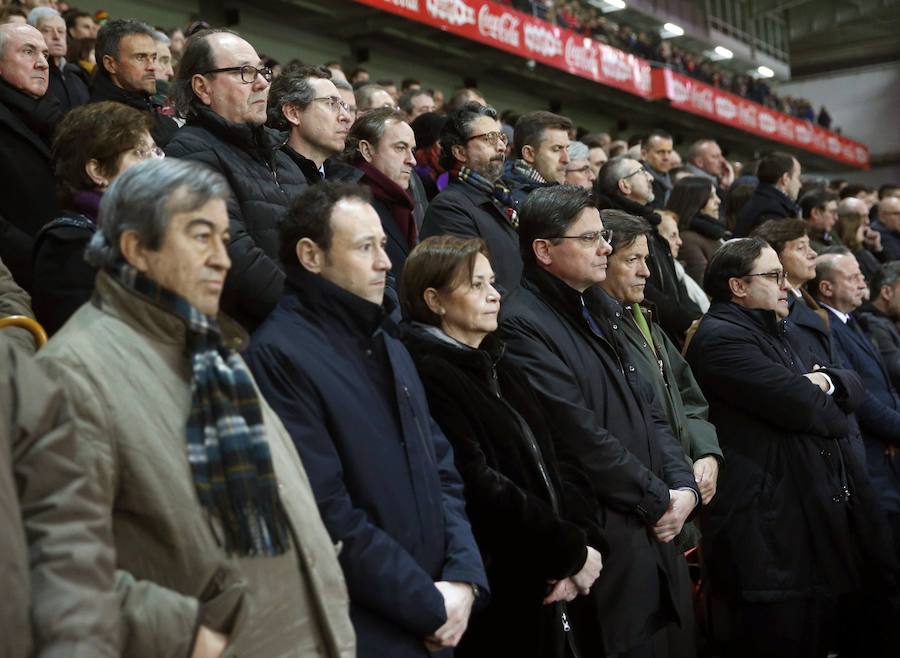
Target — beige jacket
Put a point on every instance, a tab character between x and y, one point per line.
124	363
15	301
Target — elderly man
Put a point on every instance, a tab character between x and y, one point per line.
68	81
218	539
794	523
775	196
28	119
164	70
578	169
476	203
820	210
126	72
372	96
880	317
352	401
222	89
540	155
625	184
564	334
656	154
888	226
415	102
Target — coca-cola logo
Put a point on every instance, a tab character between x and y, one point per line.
834	145
848	151
861	154
542	41
581	56
614	64
703	98
767	122
643	77
454	12
409	5
803	133
747	115
680	90
503	27
786	128
726	108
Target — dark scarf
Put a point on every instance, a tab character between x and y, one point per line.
87	203
41	115
499	193
709	227
226	439
393	196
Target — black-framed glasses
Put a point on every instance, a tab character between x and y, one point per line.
778	277
334	103
642	170
248	72
491	138
591	239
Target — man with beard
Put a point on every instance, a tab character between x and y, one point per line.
475	204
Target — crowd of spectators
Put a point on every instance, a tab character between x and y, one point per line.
337	367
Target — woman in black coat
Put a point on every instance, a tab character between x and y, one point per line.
695	201
93	145
532	525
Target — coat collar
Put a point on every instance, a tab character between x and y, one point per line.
480	362
245	136
756	318
618	202
566	299
769	191
155	322
709	227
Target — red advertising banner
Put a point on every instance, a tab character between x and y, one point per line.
509	30
698	98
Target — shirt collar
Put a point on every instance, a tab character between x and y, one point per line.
843	317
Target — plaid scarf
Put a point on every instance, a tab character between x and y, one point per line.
499	193
525	170
226	440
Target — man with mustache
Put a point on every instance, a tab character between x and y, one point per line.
126	72
476	204
222	88
350	396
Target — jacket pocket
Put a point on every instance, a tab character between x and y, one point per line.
223	603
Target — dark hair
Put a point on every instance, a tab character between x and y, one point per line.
816	199
292	88
625	228
427	128
406	83
110	36
737	198
309	216
385	82
777	232
370	127
79	49
72	17
198	56
548	212
530	128
441	262
406	99
98	131
658	134
611	172
456	129
853	189
887	187
886	275
593	140
689	196
773	166
735	258
12	10
460	98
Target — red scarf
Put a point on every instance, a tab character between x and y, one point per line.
398	200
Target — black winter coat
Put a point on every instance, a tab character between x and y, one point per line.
380	468
884	333
606	422
28	200
794	515
164	127
69	86
675	310
263	182
462	210
767	202
516	496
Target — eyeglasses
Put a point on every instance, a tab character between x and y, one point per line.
491	138
334	103
642	170
248	73
778	277
590	240
144	153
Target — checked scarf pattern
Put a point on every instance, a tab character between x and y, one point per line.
226	441
498	192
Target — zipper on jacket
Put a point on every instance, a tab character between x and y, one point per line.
415	416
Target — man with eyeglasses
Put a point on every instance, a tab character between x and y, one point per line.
306	104
475	203
126	73
222	88
794	523
578	169
625	184
567	337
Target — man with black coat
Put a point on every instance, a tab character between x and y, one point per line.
476	204
222	88
880	317
68	81
625	184
563	332
126	72
776	195
794	523
28	119
349	395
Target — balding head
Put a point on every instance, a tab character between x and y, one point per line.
707	155
23	59
839	283
889	213
852	206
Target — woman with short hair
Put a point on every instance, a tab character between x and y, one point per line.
535	528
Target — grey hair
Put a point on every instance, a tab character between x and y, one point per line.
886	275
578	151
342	84
612	171
38	14
293	88
144	199
160	37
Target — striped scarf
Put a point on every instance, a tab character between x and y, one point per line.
499	193
226	439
